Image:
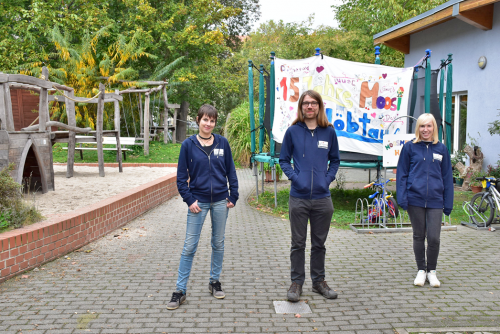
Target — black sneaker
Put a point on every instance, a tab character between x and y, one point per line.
178	297
294	292
323	289
216	290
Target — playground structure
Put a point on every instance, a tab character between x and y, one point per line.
29	146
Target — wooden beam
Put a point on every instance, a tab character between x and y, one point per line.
107	98
9	117
472	4
481	17
165	115
401	44
99	129
146	124
4	77
71	115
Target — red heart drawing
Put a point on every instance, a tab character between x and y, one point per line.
373	115
384	75
320	69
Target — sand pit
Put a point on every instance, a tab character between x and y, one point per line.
86	187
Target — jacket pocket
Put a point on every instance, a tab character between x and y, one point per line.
303	182
320	185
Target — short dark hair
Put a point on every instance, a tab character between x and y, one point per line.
208	110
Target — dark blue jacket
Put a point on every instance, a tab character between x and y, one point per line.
424	177
208	174
311	175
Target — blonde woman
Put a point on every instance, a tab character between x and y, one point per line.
425	190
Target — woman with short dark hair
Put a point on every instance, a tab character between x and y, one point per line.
205	167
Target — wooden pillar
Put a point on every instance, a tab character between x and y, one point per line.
70	113
99	126
174	133
3	109
7	117
146	124
43	107
141	118
117	111
165	115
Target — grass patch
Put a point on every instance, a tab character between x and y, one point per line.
17	209
344	202
159	152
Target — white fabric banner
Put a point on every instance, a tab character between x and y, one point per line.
360	99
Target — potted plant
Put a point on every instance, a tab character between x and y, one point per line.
475	185
269	173
458	179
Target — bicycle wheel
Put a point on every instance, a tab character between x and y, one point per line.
393	207
481	210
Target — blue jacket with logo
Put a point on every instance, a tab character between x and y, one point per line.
208	174
311	152
424	176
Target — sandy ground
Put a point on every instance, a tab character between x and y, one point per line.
86	187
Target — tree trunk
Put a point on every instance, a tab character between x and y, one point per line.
181	126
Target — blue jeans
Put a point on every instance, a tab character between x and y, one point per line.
218	215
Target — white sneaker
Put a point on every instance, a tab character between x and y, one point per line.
420	279
433	280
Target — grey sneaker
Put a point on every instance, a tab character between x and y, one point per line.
178	297
294	292
216	290
323	289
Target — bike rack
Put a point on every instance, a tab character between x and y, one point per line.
466	207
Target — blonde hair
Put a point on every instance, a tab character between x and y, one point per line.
424	119
322	119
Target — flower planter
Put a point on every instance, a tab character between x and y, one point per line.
476	189
269	176
459	181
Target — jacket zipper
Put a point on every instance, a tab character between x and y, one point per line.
427	177
209	166
312	172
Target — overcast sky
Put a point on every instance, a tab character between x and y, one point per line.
297	11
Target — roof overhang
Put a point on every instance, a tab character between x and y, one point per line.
478	13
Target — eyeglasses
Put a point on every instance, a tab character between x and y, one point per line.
313	104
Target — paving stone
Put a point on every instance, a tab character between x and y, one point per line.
128	281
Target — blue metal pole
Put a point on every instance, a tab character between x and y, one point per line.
250	99
261	107
271	100
377	53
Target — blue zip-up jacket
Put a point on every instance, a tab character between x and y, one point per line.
311	152
208	174
424	177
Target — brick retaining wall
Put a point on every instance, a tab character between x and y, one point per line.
26	248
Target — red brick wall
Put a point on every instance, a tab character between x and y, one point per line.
29	247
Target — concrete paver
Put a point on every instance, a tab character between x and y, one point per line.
122	284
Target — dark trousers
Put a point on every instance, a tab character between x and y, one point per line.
426	223
319	212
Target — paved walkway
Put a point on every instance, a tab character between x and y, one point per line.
122	284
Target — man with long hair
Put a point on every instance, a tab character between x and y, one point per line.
311	142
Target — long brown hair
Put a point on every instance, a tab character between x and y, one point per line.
322	119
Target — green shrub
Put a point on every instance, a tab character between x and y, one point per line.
238	133
15	210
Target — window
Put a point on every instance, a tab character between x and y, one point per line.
458	120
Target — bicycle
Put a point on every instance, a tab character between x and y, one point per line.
382	203
483	205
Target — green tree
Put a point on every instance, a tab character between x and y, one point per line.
370	17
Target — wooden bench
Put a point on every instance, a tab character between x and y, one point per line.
124	141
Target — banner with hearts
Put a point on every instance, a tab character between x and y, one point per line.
360	100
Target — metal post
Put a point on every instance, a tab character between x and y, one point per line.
262	101
428	82
377	53
262	172
252	115
275	187
256	180
441	94
272	144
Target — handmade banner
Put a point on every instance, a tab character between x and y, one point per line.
360	99
392	146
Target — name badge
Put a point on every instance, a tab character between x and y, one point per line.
323	144
437	156
219	152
